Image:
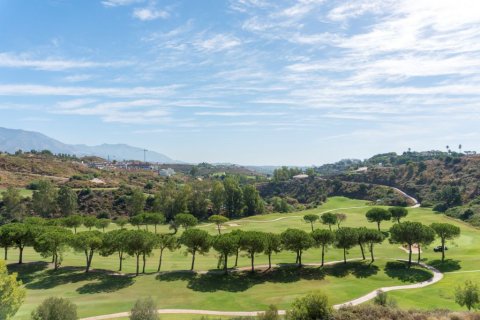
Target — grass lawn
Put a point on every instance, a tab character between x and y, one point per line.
23	192
100	293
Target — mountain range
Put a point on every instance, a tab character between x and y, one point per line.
12	140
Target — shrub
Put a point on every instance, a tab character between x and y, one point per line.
55	309
312	306
144	309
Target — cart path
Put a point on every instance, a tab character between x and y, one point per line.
437	276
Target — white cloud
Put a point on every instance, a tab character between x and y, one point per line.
219	42
23	60
148	14
117	3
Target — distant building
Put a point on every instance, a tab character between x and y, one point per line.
300	176
362	169
166	172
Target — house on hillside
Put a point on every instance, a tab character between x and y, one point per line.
166	172
300	176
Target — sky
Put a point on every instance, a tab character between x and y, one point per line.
260	82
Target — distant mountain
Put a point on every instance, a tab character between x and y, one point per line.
12	140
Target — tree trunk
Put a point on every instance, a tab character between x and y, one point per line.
55	266
270	261
193	261
155	228
20	258
219	231
300	258
409	255
138	263
371	252
89	262
419	249
120	256
225	264
344	256
144	260
378	225
236	258
323	255
443	249
6	253
363	252
160	260
312	225
75	230
330	227
252	257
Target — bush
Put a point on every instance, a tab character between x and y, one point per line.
312	306
383	300
144	309
55	309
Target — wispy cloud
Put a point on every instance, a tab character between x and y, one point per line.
148	14
22	60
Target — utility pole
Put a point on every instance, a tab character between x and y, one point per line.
145	155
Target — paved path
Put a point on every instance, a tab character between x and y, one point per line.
437	276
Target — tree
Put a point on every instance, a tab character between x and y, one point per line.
55	309
21	235
313	306
346	238
398	213
341	217
378	215
154	218
89	222
44	199
323	238
218	220
12	293
298	241
427	236
253	242
217	196
373	237
136	202
67	200
5	241
445	231
102	224
115	241
162	242
310	218
239	234
329	219
87	242
196	241
361	239
197	201
270	314
144	309
252	200
273	244
170	200
233	197
186	220
52	243
406	233
226	245
139	243
468	296
121	222
137	220
73	221
13	207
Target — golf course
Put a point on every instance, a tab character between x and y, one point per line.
103	291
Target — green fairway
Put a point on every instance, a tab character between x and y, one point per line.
102	293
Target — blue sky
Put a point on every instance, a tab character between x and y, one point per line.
244	81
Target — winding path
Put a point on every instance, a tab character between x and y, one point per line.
437	276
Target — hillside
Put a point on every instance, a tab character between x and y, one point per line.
12	140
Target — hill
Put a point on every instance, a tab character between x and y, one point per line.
12	140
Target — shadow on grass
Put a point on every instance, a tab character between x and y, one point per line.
448	265
241	281
399	270
99	281
27	272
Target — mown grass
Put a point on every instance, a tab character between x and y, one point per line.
102	292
